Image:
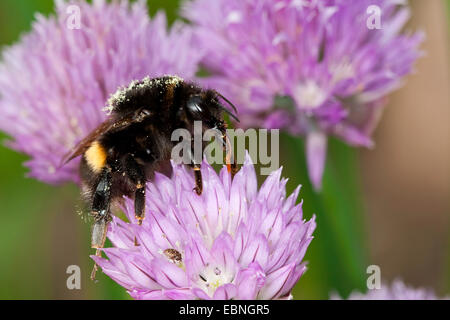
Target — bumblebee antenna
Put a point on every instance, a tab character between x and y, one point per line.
226	100
228	112
230	104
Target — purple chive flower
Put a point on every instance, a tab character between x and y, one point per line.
311	67
232	242
397	291
56	80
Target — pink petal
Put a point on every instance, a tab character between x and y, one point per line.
316	146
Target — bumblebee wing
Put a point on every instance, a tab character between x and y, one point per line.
84	144
108	125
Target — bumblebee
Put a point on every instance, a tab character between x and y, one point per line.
122	153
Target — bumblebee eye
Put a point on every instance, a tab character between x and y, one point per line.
193	105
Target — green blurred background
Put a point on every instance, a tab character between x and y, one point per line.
387	206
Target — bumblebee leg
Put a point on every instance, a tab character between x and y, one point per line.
136	174
100	212
98	236
102	196
139	204
229	159
197	173
198	179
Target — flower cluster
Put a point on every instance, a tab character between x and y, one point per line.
397	291
314	68
56	80
232	242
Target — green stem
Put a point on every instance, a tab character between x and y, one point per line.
338	254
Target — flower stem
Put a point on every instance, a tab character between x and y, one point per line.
338	254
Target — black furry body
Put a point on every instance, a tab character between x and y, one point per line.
122	154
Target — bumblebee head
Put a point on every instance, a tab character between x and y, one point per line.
208	106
